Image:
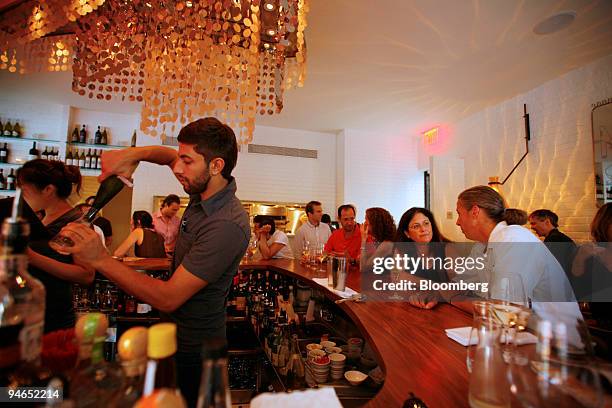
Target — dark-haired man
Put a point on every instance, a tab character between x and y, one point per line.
545	223
213	237
346	240
313	231
166	222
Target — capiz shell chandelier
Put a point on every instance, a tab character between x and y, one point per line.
182	60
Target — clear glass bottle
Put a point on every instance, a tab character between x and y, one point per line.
132	350
214	387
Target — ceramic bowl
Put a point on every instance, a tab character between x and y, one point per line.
337	358
355	377
327	344
313	346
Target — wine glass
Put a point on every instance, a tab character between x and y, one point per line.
305	252
561	370
510	306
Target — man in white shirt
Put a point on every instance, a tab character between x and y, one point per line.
313	231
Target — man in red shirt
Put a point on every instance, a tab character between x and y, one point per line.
345	241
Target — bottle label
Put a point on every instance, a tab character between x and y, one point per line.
32	157
2	153
31	340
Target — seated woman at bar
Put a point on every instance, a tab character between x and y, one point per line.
146	242
378	231
46	186
272	243
418	229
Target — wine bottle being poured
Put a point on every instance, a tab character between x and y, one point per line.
108	189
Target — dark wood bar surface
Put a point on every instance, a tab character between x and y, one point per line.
410	343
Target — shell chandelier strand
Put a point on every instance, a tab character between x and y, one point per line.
182	60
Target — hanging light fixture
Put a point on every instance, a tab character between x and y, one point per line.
232	59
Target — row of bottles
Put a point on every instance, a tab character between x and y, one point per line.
8	130
8	183
85	161
81	136
50	153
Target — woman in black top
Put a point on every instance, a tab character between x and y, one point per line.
46	186
147	243
418	235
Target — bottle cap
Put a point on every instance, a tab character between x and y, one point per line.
133	344
162	340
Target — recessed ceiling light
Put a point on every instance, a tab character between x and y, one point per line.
271	32
554	23
269	6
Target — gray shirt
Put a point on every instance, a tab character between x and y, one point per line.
213	237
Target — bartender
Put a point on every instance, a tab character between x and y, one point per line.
213	237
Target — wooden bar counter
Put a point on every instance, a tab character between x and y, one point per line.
410	343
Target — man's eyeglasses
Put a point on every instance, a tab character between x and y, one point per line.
416	227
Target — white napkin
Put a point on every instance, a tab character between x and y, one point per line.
348	292
462	335
322	397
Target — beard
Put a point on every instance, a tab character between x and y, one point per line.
198	185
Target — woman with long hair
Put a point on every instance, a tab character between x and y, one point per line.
377	232
418	234
147	243
46	186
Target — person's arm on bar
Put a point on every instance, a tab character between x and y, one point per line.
267	252
69	272
131	239
165	296
125	161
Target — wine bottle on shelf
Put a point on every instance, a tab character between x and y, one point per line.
75	135
133	144
45	154
1	128
8	129
104	138
81	159
16	130
10	180
56	153
88	159
4	151
69	157
2	180
99	160
33	153
83	135
98	137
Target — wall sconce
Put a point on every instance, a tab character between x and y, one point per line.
494	182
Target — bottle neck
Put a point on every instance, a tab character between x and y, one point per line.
161	373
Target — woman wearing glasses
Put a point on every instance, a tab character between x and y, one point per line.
418	236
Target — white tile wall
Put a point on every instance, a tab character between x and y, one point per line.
558	172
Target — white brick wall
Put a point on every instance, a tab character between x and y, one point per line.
558	172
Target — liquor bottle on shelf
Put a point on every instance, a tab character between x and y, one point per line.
214	386
94	379
104	139
10	180
133	144
69	157
83	135
88	159
132	350
75	135
17	130
98	137
161	368
4	152
2	180
8	129
99	160
56	153
45	154
33	153
81	158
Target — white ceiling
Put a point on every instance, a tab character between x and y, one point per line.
404	64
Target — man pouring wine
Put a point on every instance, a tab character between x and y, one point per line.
213	237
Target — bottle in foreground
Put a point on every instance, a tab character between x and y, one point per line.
132	350
161	368
214	388
94	379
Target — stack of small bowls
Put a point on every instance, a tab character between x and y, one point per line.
320	368
337	365
354	348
